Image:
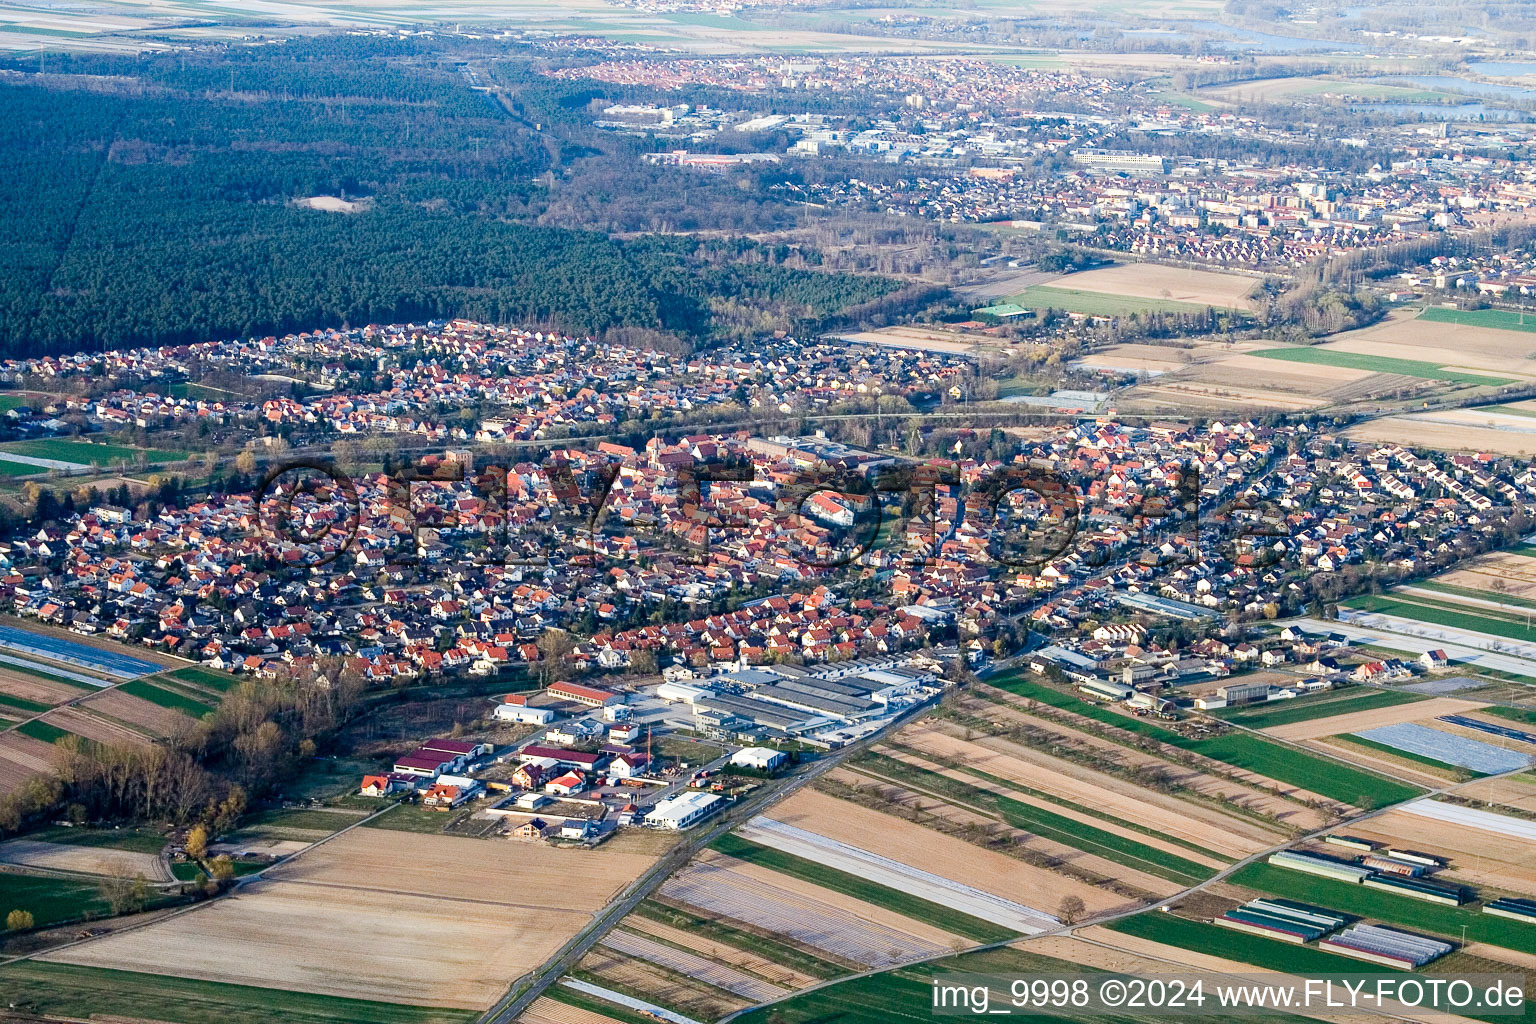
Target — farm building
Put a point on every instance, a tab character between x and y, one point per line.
1285	920
1419	889
684	810
1393	866
1351	843
1243	693
1512	907
1106	690
1388	946
589	696
522	714
1312	864
763	759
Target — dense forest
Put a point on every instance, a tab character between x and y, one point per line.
154	199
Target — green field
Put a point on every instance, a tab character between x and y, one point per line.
220	681
67	990
906	995
104	838
1046	824
1526	715
1380	905
1426	610
315	821
1455	591
1306	709
862	889
1284	764
31	707
50	900
1323	356
40	730
1043	296
1499	319
146	690
1202	937
86	453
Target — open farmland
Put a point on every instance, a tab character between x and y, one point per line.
1478	349
1348	720
842	926
834	832
116	704
1467	430
468	869
1493	319
113	995
1321	355
487	912
1095	303
303	938
1271	714
91	860
1293	772
1476	857
1185	804
1176	286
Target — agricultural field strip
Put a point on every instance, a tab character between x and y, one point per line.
761	964
84	859
653	983
52	648
1469	817
718	889
1250	753
62	673
1515	656
1448	748
1206	823
1123	851
694	966
1347	720
545	1010
627	1001
1164	839
902	877
1420	771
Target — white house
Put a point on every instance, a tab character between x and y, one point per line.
522	714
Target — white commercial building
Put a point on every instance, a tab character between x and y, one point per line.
763	759
522	714
683	810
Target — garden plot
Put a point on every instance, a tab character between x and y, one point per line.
358	943
694	966
1356	721
897	875
809	914
93	860
1448	748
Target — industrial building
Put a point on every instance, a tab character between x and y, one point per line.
684	810
589	696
